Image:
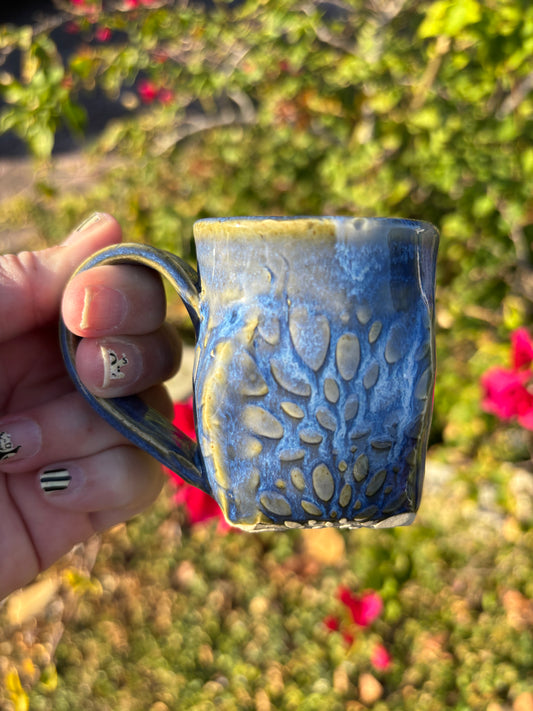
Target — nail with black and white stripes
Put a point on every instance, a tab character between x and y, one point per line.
55	480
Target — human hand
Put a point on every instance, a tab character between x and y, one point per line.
64	473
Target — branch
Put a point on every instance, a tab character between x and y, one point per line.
242	113
325	36
515	98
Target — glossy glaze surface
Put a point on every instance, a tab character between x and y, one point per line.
314	368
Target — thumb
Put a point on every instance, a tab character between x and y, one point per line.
31	283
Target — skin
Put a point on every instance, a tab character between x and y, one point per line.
113	308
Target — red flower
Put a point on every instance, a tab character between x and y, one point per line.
505	393
147	91
150	92
508	393
522	349
200	506
132	4
332	623
380	658
348	638
365	609
103	34
526	420
184	418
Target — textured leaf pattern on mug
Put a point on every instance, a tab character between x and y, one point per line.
330	421
316	404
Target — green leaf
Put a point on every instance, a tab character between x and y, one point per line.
41	141
449	18
74	115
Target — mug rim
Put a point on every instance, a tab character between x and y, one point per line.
324	226
319	218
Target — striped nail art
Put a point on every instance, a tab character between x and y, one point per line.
55	480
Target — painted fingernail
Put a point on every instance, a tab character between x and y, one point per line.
20	438
117	365
55	479
103	308
113	365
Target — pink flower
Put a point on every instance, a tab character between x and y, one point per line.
184	418
147	91
348	637
380	658
526	420
345	595
332	623
364	609
103	34
508	393
522	349
200	506
150	92
132	4
505	393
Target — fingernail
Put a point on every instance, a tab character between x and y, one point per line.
20	438
55	479
89	222
103	308
118	365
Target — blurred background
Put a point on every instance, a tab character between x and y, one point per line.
166	112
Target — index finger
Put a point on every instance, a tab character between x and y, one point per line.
31	282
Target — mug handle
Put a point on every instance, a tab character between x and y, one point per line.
143	425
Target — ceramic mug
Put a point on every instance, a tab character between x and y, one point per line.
314	368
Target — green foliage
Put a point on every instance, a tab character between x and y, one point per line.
419	109
413	109
40	99
192	619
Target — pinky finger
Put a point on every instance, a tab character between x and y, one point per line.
111	486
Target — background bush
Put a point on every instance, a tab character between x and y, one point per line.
369	107
416	109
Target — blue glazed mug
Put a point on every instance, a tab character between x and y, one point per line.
314	369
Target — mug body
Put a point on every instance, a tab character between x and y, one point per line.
315	366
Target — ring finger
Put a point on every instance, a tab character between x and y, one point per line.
34	441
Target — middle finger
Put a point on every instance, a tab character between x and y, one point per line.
117	366
114	299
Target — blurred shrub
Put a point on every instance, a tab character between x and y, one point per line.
183	618
417	109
